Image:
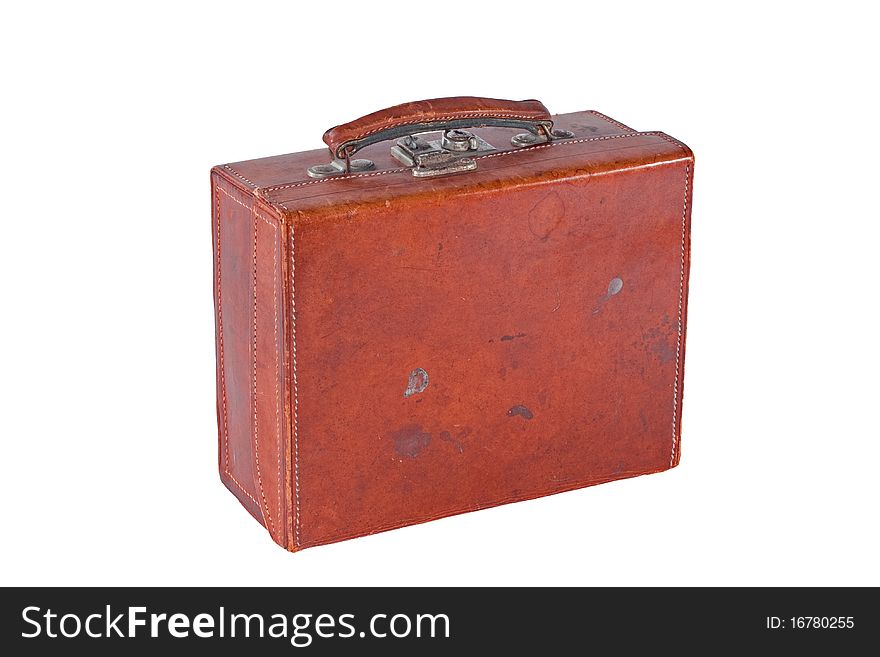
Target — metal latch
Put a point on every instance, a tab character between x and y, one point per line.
449	154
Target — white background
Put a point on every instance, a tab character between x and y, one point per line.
112	115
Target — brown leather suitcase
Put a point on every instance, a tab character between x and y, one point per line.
486	305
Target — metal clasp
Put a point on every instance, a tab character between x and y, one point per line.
438	157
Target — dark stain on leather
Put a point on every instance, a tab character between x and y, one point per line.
665	351
410	440
584	127
522	411
660	344
505	338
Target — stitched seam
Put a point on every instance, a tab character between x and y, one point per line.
296	516
220	332
238	175
225	425
680	306
253	209
256	437
275	276
244	205
266	190
277	372
553	144
469	115
612	121
241	488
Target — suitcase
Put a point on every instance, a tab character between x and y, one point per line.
466	302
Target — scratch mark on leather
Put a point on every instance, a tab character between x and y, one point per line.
410	440
558	301
546	216
417	268
522	411
446	436
507	338
418	381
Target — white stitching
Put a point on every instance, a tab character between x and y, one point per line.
610	120
389	171
220	331
277	396
244	205
241	488
225	429
256	440
266	190
680	306
238	175
553	144
296	517
277	372
278	354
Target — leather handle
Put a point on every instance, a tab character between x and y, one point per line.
440	113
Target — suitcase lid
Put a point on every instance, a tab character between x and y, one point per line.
590	143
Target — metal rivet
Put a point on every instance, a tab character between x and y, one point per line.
526	139
362	165
530	139
337	168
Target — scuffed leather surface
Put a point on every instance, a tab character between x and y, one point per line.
445	109
544	295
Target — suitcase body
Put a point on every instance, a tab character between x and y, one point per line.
490	311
